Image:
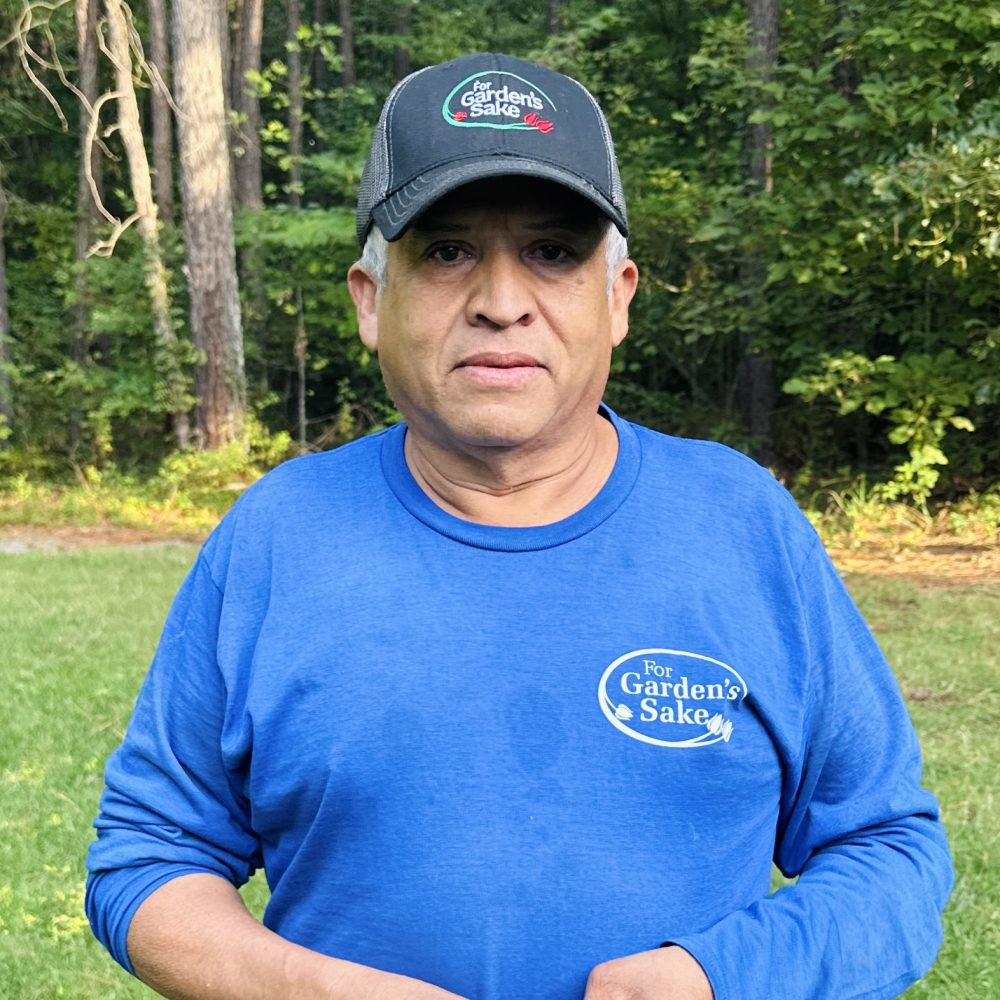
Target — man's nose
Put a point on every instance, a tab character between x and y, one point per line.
500	293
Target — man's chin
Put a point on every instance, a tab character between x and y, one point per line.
493	431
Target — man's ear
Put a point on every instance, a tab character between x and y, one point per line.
622	289
364	291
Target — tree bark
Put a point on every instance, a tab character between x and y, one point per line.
756	372
347	73
163	157
208	220
245	151
6	382
762	59
86	211
401	27
246	145
553	17
145	207
295	109
845	74
318	69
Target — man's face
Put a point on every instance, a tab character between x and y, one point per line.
495	327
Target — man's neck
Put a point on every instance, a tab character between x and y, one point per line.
511	487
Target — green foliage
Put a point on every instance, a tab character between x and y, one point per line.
878	240
214	478
920	394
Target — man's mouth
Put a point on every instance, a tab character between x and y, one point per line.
496	359
500	368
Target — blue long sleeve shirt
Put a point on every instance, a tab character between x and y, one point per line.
492	758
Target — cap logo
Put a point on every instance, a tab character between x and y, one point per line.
497	99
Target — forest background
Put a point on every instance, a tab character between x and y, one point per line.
813	194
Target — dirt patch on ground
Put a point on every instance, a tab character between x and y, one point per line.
30	538
938	564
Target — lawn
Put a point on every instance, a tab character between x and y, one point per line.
77	630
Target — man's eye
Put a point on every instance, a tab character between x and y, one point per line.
552	253
446	253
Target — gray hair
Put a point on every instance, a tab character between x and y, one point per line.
374	260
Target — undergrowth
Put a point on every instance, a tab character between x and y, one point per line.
186	495
861	515
191	490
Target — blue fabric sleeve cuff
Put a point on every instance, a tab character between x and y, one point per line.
113	896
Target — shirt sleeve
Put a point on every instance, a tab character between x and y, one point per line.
863	919
171	805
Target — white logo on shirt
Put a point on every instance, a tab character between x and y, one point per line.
671	698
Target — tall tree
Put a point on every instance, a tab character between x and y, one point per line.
208	220
553	17
295	112
6	382
162	132
119	49
246	104
347	72
88	172
403	20
318	69
756	375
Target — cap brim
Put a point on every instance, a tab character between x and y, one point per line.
395	214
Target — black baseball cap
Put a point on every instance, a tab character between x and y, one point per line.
484	115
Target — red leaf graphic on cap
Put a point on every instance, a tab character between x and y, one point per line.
544	125
530	118
460	116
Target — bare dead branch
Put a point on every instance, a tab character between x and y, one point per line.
26	53
92	127
105	248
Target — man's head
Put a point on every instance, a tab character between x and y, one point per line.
494	281
479	116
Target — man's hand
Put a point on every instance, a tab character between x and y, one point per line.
662	974
193	939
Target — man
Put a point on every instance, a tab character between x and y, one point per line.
516	700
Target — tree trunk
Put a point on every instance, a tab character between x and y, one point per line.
246	104
245	152
208	220
348	77
163	157
301	346
86	210
6	382
845	74
401	53
318	69
145	207
756	373
553	17
294	106
762	58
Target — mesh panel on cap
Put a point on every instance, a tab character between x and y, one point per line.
375	179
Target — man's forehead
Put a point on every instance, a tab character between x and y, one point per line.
538	205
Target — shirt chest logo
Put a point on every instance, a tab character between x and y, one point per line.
671	698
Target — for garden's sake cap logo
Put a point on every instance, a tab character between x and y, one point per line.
671	698
501	100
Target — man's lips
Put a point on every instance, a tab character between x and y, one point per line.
495	359
499	368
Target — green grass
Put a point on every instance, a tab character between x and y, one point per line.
77	630
943	645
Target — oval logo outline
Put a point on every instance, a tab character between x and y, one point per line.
608	707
